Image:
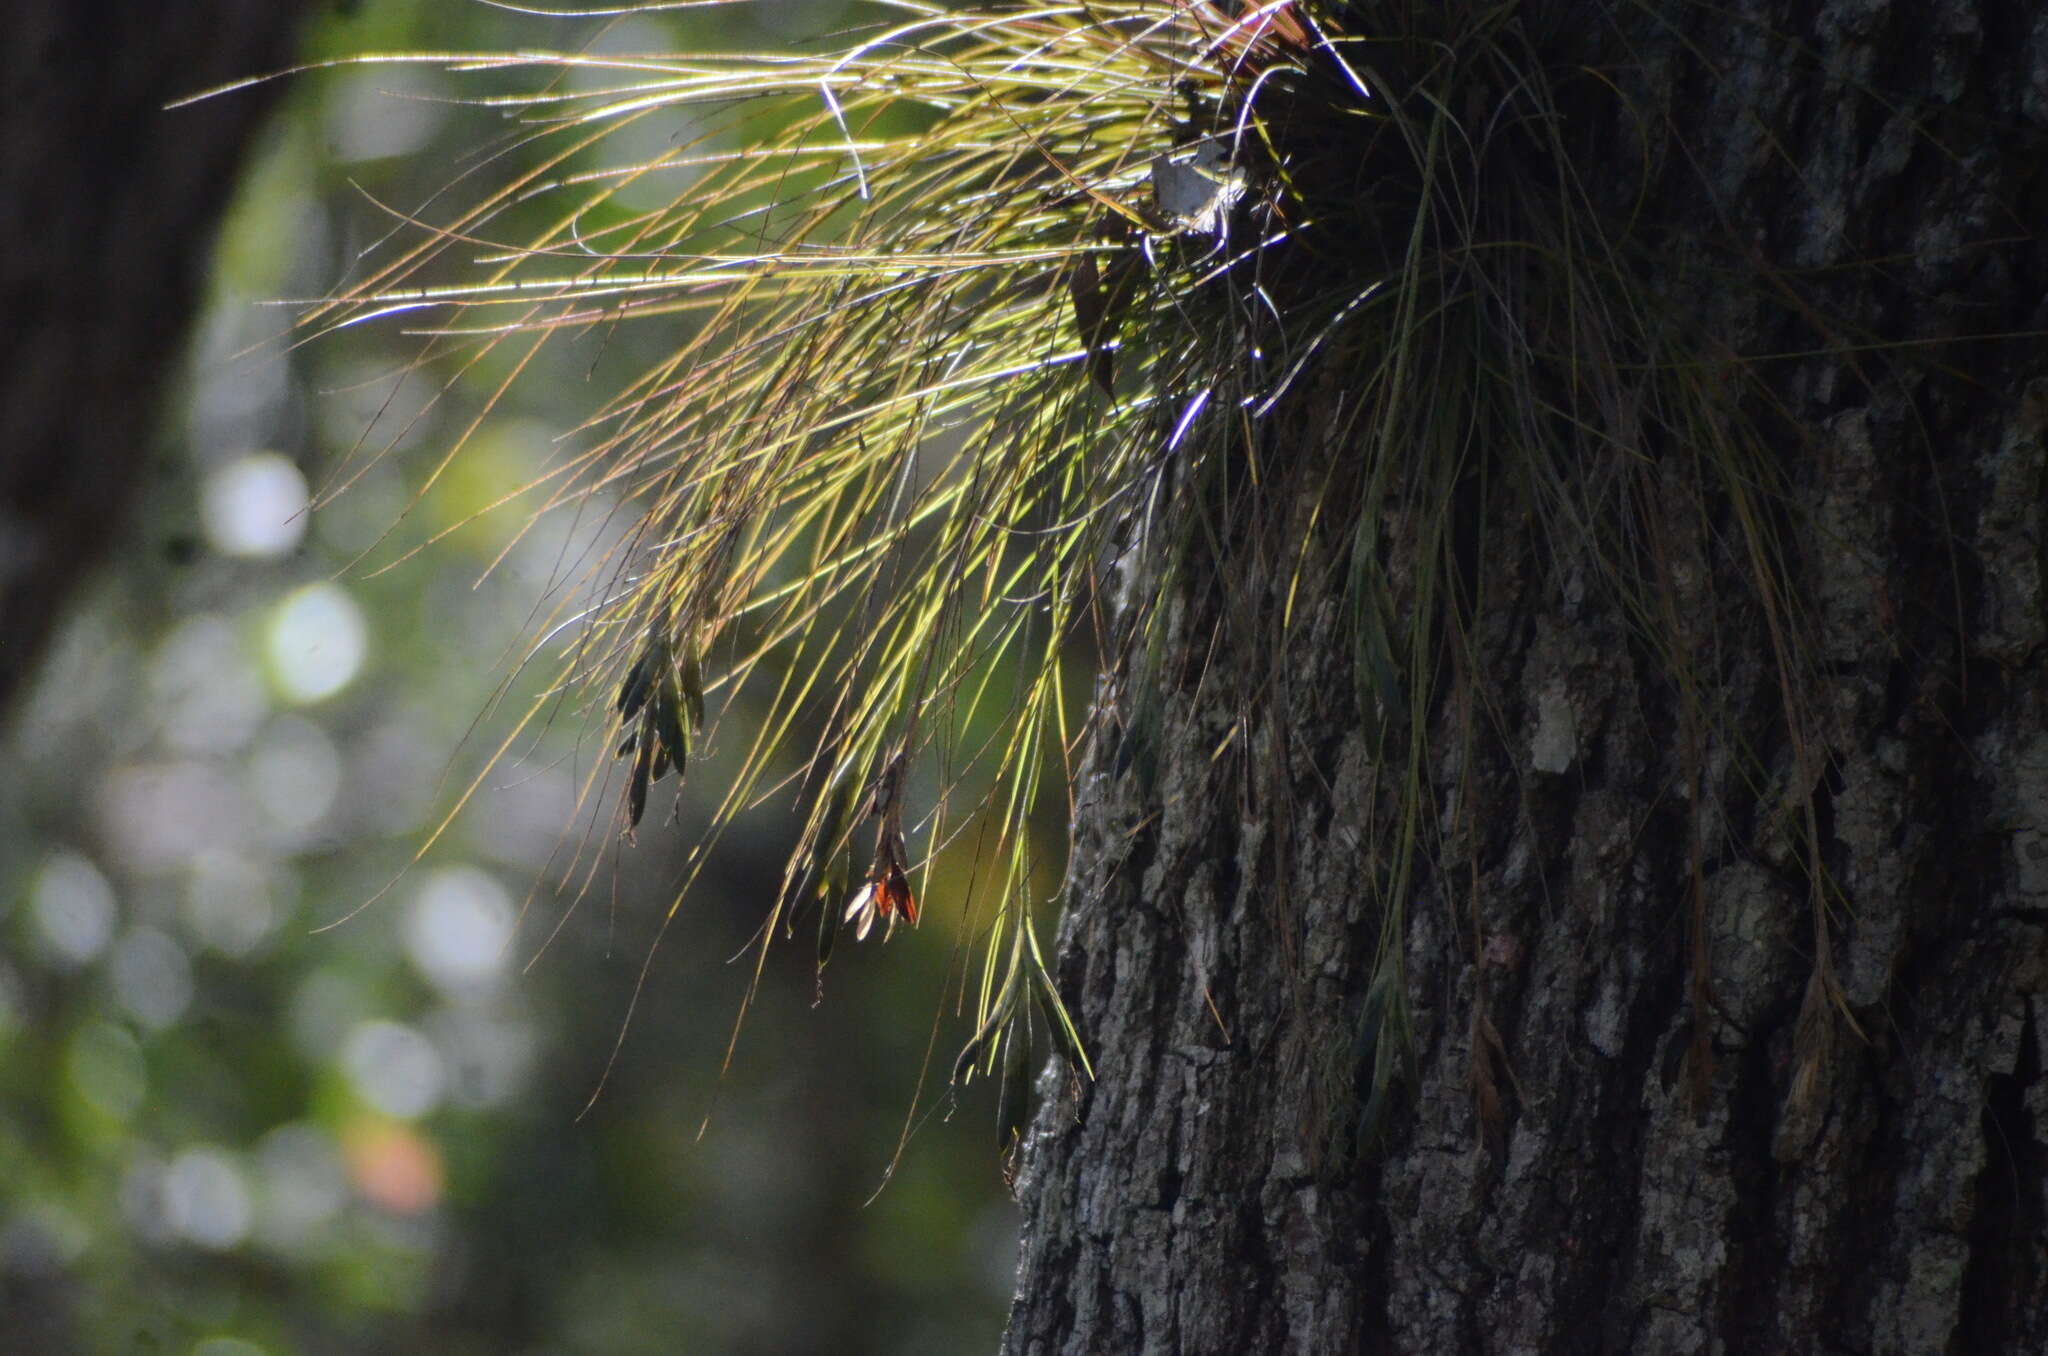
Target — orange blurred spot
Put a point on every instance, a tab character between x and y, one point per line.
394	1166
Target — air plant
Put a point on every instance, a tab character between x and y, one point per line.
997	330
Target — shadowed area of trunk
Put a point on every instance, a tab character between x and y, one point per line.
1573	1168
107	209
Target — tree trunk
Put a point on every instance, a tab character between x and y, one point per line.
1590	1157
107	207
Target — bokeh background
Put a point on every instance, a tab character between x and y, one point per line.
267	1085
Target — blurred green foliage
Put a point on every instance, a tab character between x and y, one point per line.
228	1128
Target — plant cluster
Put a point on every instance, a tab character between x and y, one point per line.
982	307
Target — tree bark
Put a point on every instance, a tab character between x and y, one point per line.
107	207
1573	1170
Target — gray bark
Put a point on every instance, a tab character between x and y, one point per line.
1209	1192
107	207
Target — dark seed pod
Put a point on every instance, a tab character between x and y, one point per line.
668	722
693	692
639	682
636	791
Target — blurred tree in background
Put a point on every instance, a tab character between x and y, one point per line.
225	1130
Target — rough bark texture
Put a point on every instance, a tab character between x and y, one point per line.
107	204
1208	1192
